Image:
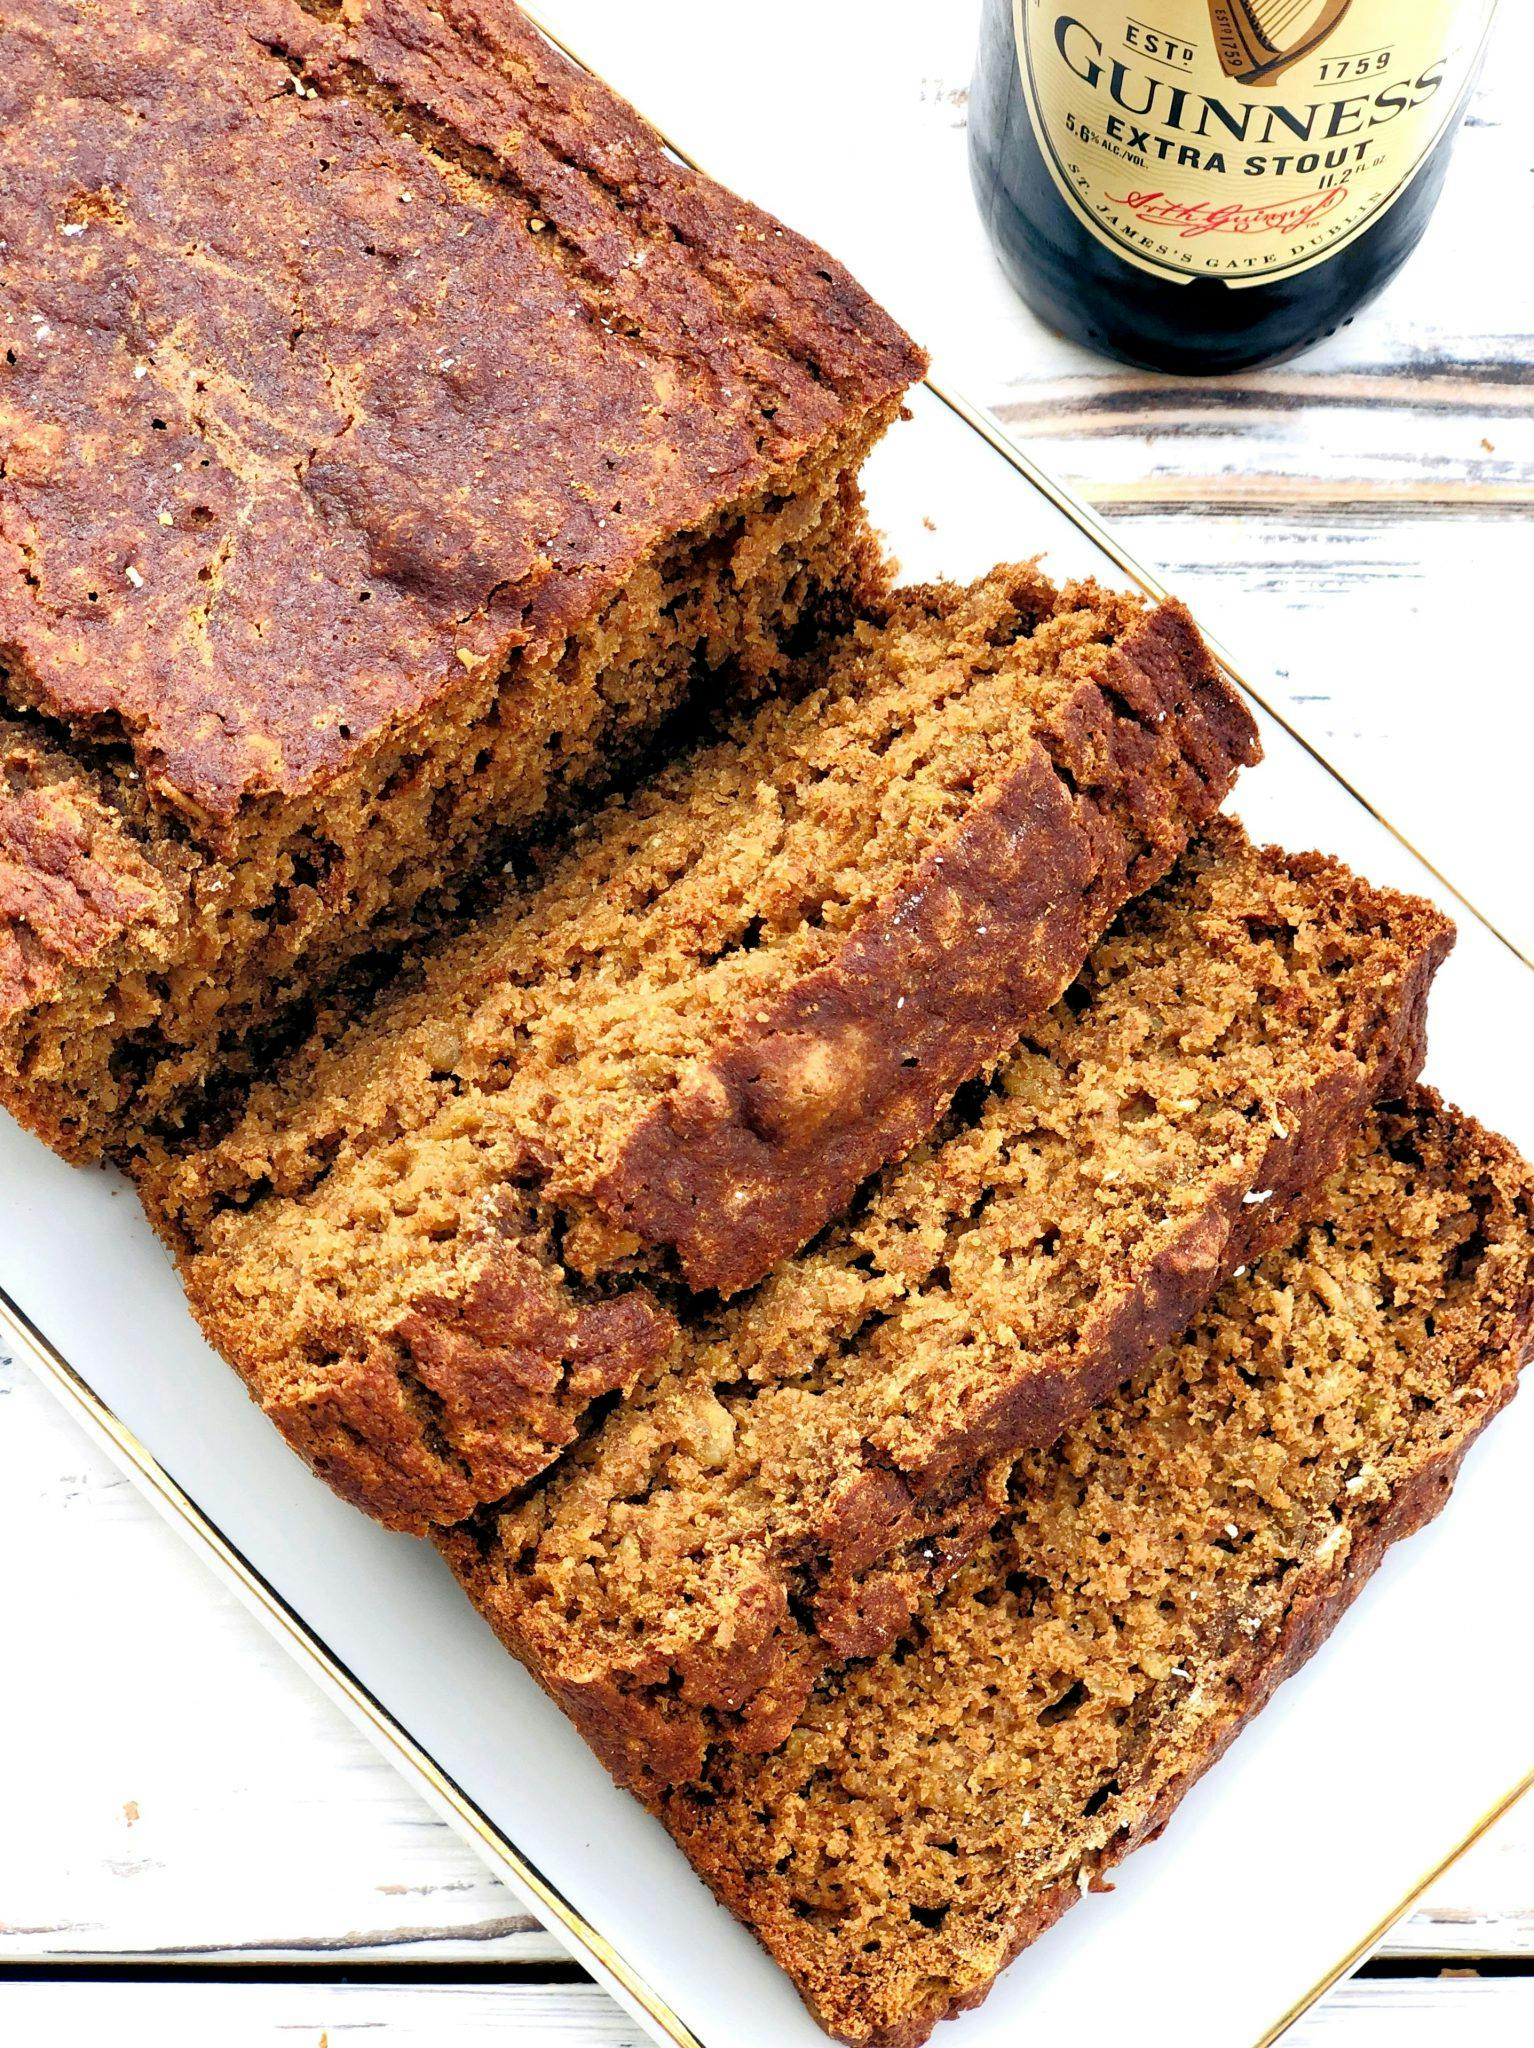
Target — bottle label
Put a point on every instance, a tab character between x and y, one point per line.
1243	140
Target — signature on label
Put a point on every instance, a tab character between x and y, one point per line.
1193	218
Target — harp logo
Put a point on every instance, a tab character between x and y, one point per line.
1258	40
1241	140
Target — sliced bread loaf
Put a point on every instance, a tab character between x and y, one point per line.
814	1458
1160	1570
429	1243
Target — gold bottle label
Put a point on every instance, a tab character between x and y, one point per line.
1243	140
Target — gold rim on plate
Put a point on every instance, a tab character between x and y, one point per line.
416	1764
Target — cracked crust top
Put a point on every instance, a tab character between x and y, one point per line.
346	353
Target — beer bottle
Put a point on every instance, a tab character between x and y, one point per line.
1200	185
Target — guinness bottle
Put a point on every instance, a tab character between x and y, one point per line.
1201	185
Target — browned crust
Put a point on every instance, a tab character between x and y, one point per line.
512	1365
849	1068
474	363
374	1427
471	1393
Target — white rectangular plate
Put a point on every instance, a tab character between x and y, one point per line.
1365	1772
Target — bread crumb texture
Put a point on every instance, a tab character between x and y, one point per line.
814	1458
1158	1571
392	432
676	1049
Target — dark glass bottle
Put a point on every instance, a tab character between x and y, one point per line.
1220	183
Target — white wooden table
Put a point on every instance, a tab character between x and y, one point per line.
193	1846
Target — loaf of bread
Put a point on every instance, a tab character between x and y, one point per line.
394	431
431	1244
1157	1574
872	1247
817	1456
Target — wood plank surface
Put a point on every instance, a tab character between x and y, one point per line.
1433	2013
1356	524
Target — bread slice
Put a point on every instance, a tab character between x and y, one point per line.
430	1245
395	432
1159	1572
815	1457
